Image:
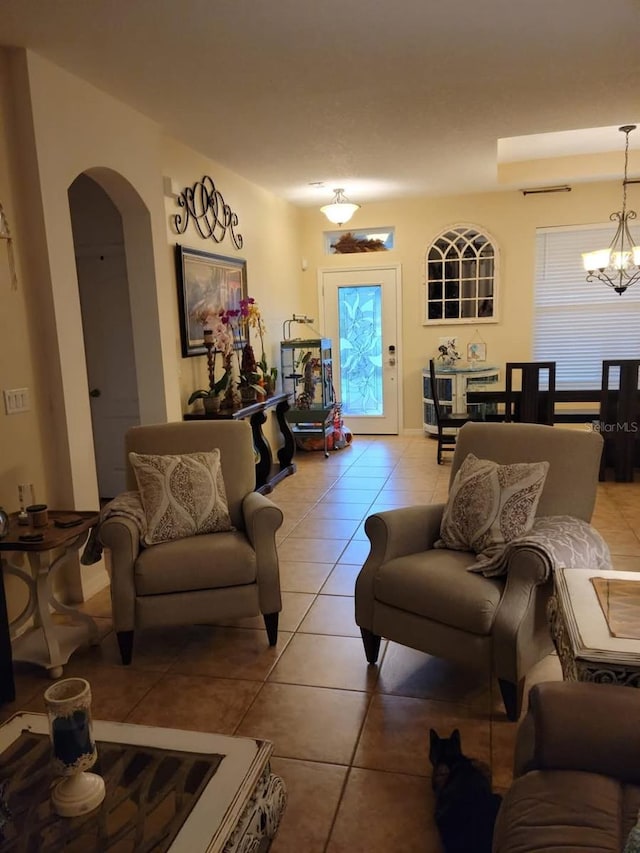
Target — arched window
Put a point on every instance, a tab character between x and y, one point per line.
461	277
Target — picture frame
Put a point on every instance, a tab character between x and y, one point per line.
204	280
476	351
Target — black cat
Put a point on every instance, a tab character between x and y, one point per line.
466	807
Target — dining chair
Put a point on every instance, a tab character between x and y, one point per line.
619	417
532	404
444	420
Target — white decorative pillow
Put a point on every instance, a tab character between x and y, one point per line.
182	495
490	504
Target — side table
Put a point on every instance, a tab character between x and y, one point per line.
46	643
586	648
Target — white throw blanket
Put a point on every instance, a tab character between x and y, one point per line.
560	540
127	505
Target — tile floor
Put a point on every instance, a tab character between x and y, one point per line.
349	740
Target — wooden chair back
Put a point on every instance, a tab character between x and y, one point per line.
532	404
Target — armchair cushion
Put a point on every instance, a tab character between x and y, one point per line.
490	504
234	564
182	495
400	583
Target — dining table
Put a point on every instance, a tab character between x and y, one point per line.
579	405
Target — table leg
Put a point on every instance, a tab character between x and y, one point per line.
263	449
40	573
7	684
288	449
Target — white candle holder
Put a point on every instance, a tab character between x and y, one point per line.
68	704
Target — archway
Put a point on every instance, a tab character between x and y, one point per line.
101	265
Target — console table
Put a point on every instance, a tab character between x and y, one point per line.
267	473
46	644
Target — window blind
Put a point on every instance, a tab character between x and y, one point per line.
577	323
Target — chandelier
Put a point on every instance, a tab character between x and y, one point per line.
619	265
341	209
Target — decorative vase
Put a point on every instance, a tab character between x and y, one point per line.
68	704
211	404
248	395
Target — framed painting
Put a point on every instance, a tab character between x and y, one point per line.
476	352
206	282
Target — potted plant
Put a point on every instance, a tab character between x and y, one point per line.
249	377
217	339
211	397
240	321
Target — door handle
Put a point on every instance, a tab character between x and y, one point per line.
95	392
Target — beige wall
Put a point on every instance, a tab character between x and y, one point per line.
270	228
509	217
53	127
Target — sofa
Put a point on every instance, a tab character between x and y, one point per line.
576	781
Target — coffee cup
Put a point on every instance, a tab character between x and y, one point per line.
38	515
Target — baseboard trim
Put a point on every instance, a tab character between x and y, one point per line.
98	580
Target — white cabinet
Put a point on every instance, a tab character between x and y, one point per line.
453	384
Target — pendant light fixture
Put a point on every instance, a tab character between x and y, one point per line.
619	265
341	209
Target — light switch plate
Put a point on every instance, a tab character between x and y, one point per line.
16	400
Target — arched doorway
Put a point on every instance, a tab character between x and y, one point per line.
101	263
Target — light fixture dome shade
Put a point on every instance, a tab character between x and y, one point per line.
340	210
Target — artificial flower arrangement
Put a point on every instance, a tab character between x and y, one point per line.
228	331
217	341
242	321
448	353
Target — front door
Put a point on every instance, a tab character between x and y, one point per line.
360	308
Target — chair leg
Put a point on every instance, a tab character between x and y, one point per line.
511	698
271	624
125	643
371	644
439	456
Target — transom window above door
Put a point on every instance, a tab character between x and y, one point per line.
461	273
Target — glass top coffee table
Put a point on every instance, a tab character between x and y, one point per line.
167	790
593	634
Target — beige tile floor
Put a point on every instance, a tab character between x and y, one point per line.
349	740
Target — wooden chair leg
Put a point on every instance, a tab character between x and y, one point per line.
511	698
371	644
271	624
125	644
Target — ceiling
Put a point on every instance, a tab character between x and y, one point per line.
387	100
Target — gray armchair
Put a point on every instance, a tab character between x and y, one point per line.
203	578
425	598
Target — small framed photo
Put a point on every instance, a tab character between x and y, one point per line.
205	281
476	352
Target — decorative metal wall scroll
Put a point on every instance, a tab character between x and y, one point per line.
211	215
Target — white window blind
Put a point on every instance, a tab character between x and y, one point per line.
578	324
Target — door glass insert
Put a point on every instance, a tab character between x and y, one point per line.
360	334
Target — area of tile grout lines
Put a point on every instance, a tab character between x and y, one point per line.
350	741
